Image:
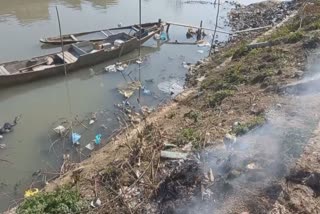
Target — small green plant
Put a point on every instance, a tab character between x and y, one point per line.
189	135
193	115
217	98
242	129
294	37
62	201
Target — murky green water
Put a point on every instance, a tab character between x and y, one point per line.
43	102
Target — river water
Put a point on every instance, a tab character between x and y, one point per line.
42	103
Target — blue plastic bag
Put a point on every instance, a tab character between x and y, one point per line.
75	138
163	36
98	139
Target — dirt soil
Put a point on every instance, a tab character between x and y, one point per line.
231	95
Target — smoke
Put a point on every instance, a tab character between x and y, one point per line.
248	175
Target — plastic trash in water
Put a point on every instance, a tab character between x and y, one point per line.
110	68
200	51
98	139
75	138
163	36
145	90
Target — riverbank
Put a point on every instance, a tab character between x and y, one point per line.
213	133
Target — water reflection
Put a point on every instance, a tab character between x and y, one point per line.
25	11
30	11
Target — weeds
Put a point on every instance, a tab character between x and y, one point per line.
218	97
62	201
242	129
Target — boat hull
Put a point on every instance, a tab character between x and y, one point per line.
82	62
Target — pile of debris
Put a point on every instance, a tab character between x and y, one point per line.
260	14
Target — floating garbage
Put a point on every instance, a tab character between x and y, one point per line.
156	36
90	146
202	43
31	192
163	36
75	138
200	51
3	146
186	65
59	129
1	137
139	62
145	90
110	68
172	87
98	139
91	122
120	68
129	89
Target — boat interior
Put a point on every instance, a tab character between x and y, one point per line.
34	64
86	47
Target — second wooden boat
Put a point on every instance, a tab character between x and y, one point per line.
98	35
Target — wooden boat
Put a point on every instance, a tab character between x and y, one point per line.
94	36
74	56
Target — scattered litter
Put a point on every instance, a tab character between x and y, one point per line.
186	65
3	146
75	138
90	146
128	90
139	62
110	68
172	87
91	122
252	166
163	36
59	129
145	90
1	137
187	147
156	36
96	203
146	110
200	51
203	43
98	139
173	155
31	192
120	68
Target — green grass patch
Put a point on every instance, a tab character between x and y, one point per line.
62	201
217	98
242	129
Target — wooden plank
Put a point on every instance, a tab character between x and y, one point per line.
68	57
